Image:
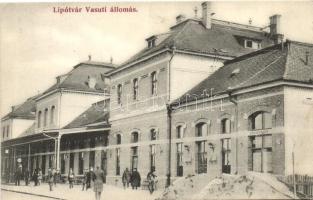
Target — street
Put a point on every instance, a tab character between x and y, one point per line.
62	191
14	195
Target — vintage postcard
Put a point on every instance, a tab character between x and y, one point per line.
156	100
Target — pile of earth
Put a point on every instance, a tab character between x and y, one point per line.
248	186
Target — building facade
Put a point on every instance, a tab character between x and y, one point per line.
209	96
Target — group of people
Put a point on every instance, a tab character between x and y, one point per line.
133	178
54	176
98	177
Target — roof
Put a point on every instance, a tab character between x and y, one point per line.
266	65
77	78
29	131
26	110
224	38
93	115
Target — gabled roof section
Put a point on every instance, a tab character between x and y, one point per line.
224	39
29	131
77	78
97	113
25	110
263	66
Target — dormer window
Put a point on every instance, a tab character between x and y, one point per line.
252	44
151	41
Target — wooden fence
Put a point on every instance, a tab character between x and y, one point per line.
304	185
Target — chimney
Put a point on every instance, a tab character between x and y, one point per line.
13	108
206	14
180	18
275	29
89	57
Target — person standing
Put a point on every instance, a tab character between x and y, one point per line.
85	180
151	177
71	177
89	178
98	178
54	172
50	179
26	177
126	178
35	177
18	174
39	180
135	179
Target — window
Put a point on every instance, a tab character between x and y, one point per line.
45	117
8	131
39	119
201	129
151	43
179	156
134	137
152	157
72	161
261	148
92	159
252	44
63	157
119	94
135	89
118	139
180	132
260	120
226	126
134	158
118	168
3	132
249	43
154	83
52	114
201	157
226	155
153	134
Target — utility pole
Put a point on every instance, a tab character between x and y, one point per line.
293	175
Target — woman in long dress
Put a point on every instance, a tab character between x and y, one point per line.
98	178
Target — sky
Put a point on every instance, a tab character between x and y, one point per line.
37	44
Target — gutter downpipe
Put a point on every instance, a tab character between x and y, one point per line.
232	100
169	120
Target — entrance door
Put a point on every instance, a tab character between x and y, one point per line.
226	155
262	153
201	157
104	164
43	164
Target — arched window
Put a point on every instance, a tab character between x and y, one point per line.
135	89
154	83
39	119
118	139
52	114
134	150
201	129
226	125
119	94
260	120
180	131
153	134
134	137
45	117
